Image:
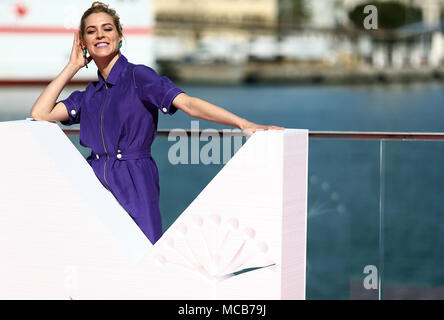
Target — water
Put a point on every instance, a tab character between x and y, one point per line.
344	222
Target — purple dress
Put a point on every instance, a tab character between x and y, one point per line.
118	121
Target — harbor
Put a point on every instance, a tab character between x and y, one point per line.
294	73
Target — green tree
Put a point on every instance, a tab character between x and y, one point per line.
391	14
293	12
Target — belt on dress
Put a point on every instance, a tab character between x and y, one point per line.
124	155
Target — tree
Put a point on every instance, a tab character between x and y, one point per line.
293	12
391	14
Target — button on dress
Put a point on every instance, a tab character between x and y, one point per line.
118	121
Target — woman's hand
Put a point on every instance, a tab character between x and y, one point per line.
202	109
249	128
77	59
46	106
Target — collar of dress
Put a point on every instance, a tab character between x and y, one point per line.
114	74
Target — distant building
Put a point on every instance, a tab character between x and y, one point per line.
326	13
212	29
235	31
239	12
416	45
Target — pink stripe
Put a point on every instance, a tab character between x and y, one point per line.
62	30
36	82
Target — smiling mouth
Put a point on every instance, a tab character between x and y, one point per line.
101	45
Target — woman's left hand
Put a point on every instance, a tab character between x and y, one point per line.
249	128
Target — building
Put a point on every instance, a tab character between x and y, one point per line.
236	12
249	30
210	30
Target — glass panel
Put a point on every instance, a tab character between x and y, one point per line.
343	220
180	184
413	220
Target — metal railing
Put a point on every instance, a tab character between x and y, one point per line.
335	135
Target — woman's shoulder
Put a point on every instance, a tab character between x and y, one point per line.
87	91
143	74
81	92
91	85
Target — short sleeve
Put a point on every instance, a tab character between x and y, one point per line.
155	90
74	107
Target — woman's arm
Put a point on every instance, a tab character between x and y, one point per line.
201	109
44	108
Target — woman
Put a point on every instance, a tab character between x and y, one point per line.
119	113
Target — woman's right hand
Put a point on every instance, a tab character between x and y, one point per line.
77	59
46	106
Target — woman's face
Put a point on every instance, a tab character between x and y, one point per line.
101	37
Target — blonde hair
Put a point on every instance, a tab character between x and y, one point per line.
98	7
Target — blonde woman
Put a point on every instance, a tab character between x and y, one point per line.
118	115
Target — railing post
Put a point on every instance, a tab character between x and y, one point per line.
381	216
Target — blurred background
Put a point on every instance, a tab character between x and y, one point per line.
299	40
322	65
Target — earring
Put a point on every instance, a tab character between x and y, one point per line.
86	60
120	44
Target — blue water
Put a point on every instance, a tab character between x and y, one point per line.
413	107
345	220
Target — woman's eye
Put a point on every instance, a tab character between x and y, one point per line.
89	32
108	29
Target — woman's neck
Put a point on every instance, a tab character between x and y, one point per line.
106	64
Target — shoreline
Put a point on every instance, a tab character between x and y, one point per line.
288	73
271	74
